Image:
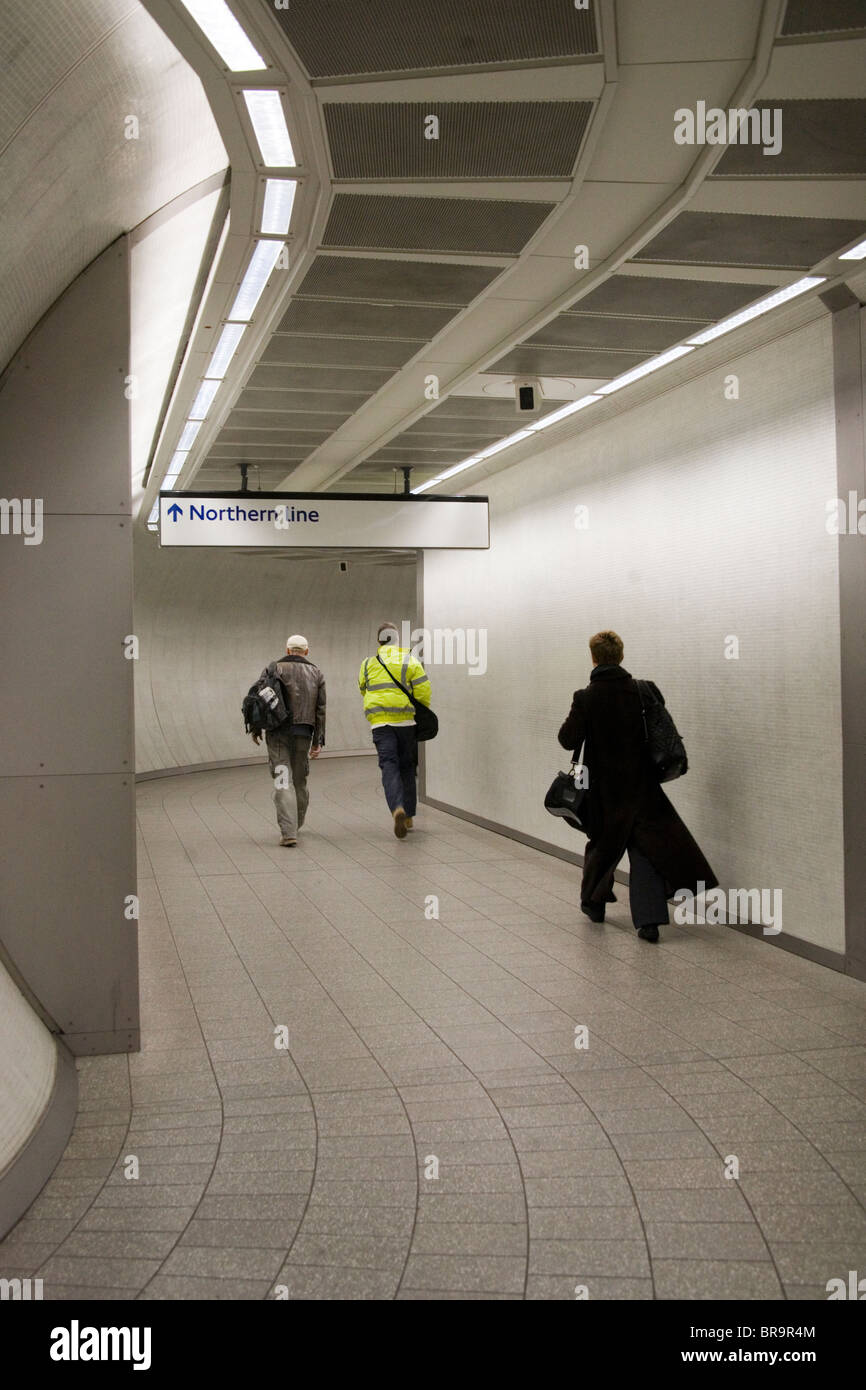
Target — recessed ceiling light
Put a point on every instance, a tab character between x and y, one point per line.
226	34
225	349
644	369
187	438
262	262
856	253
762	306
204	399
277	211
269	123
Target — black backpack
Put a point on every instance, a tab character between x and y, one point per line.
266	704
667	752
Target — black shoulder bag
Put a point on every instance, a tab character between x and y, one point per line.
667	752
426	722
568	800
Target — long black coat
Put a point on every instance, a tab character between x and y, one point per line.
627	804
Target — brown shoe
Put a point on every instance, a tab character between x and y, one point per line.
288	841
400	823
410	824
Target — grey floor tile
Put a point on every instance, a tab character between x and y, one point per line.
346	1251
442	1238
549	1288
728	1280
211	1262
475	1273
585	1258
174	1288
706	1240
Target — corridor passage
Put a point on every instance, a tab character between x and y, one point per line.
436	1130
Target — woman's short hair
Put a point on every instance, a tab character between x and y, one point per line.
606	648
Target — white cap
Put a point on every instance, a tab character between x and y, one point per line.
296	640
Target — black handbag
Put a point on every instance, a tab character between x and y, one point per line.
568	801
667	752
426	722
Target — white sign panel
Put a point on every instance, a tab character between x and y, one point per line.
340	521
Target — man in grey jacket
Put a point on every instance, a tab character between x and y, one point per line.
292	745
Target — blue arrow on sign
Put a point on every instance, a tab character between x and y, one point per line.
174	511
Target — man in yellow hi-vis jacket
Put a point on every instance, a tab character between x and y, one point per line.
391	715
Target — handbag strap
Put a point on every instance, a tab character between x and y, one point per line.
407	693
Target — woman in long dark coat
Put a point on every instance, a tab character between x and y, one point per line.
628	809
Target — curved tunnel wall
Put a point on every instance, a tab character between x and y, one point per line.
209	620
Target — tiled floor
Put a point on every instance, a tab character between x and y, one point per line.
412	1039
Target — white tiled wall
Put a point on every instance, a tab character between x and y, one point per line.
27	1075
706	520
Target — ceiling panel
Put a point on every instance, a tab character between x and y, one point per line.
733	238
255	420
591	330
818	138
299	378
396	282
469	408
365	320
447	429
702	300
330	352
253	399
307	439
263	453
476	139
544	361
475	225
335	38
413	452
823	16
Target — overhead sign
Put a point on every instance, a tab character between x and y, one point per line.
333	520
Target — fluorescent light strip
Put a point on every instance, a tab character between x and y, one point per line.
226	34
190	430
178	459
763	306
644	369
204	399
269	123
277	211
264	258
563	413
498	446
225	350
857	253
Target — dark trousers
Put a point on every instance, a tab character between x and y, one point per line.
646	891
398	757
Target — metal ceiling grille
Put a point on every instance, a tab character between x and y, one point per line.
337	38
254	399
354	377
652	297
589	330
364	320
728	238
302	350
396	282
566	362
479	225
824	136
475	139
823	16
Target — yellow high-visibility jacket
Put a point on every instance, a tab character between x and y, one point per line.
384	702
